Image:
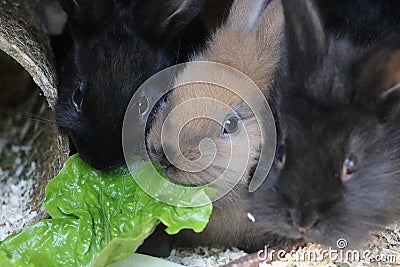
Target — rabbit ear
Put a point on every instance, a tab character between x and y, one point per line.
245	14
162	20
84	16
305	36
378	71
377	78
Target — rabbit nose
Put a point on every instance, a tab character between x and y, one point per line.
304	219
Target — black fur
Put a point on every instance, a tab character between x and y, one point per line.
117	45
335	101
362	21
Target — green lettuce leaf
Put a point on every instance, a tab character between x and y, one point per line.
98	218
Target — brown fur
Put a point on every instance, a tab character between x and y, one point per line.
254	52
392	68
254	49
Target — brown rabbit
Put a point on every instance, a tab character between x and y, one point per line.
250	41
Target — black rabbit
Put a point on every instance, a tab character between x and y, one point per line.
117	45
337	168
362	21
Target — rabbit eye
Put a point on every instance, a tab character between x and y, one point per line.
350	167
231	125
77	99
281	155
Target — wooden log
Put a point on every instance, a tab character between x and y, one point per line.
23	37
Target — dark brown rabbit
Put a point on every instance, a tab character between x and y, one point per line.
337	169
